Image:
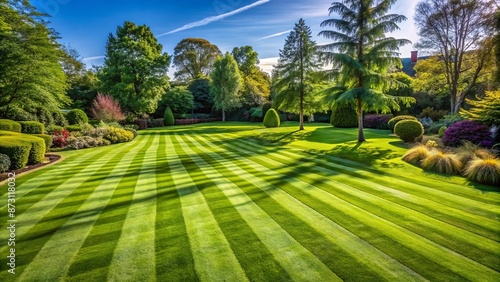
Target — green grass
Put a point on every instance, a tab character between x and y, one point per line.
238	202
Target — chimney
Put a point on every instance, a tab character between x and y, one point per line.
414	57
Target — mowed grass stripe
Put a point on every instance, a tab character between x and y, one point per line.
258	266
174	261
343	241
465	209
416	242
300	264
213	257
136	245
65	243
94	257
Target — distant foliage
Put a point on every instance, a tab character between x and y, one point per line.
344	116
435	115
467	130
377	121
168	118
266	107
4	163
409	130
392	122
77	116
272	118
106	108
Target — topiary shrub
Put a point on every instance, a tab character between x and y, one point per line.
37	151
17	151
442	162
10	125
4	163
48	140
484	171
77	116
376	121
344	116
168	117
408	130
441	131
32	127
393	121
272	119
466	130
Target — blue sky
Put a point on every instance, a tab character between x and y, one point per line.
263	24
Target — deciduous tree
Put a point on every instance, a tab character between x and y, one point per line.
194	58
361	54
135	68
225	85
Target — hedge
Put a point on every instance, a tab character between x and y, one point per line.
344	117
17	151
10	125
48	140
32	127
38	147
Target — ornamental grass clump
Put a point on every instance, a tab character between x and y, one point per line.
442	162
484	171
469	151
418	153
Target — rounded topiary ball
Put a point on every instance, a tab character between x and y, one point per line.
392	122
168	117
344	117
272	119
77	116
409	130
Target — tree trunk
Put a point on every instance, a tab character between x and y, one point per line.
223	115
361	134
301	114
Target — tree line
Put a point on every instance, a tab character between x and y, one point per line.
360	67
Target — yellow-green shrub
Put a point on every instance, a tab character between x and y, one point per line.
17	150
409	130
272	119
10	125
393	121
32	127
117	135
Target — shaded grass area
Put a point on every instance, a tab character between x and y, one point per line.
235	202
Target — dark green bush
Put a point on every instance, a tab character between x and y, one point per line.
38	147
344	117
32	127
51	128
47	138
409	130
18	151
168	117
73	128
10	125
272	118
435	115
4	163
266	107
392	122
77	116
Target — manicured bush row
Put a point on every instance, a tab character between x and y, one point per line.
195	120
32	127
17	151
392	122
47	138
408	130
344	117
4	163
10	125
141	123
272	119
74	128
77	116
37	151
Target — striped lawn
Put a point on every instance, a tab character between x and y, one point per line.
207	203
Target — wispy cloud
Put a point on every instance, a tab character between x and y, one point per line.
92	58
208	20
275	35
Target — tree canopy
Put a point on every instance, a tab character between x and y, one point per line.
296	72
32	82
451	29
194	58
486	110
226	83
135	68
361	55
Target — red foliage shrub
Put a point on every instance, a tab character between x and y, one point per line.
107	109
59	138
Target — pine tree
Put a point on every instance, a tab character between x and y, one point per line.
295	74
362	54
